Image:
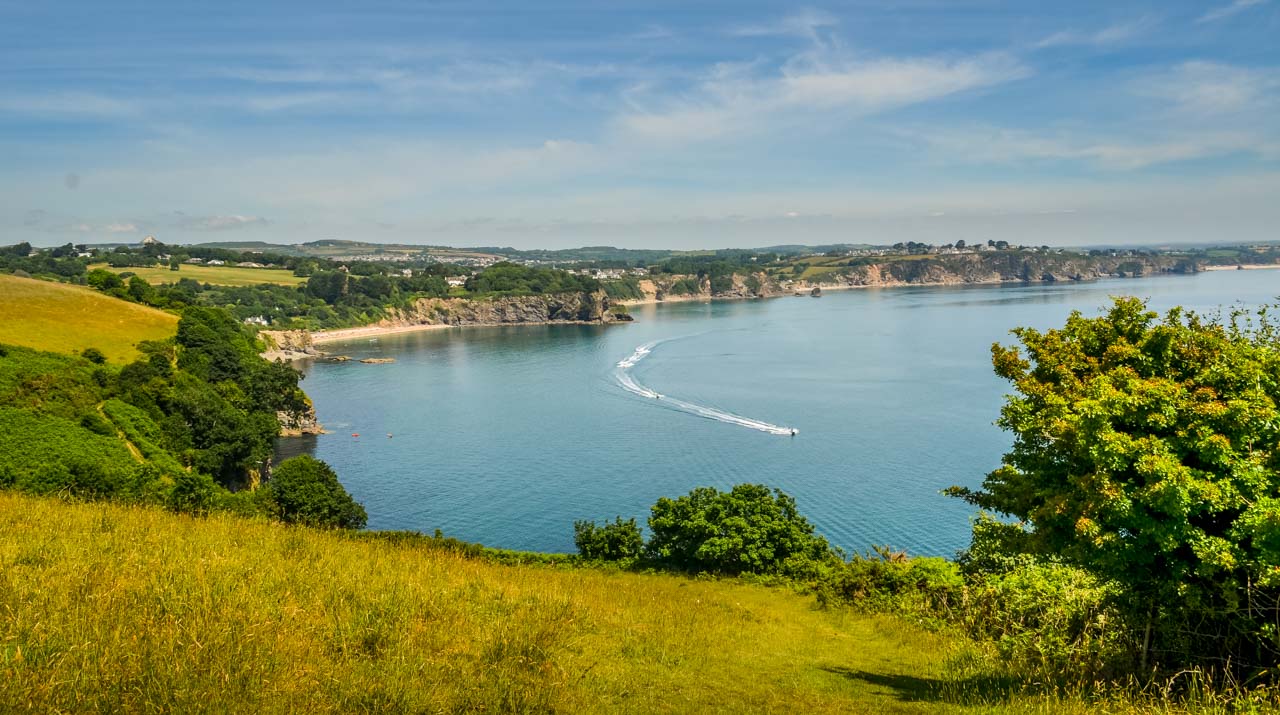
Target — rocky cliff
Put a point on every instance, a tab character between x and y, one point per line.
972	268
507	310
1012	267
288	344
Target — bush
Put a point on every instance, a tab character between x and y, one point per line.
891	581
93	422
614	541
193	493
750	529
93	355
304	490
1050	620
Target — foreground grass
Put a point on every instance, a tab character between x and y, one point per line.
214	275
65	318
113	608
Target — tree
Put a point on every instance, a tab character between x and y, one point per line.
1148	452
614	541
306	491
750	529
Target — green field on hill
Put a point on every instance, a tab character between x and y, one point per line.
215	275
65	318
117	608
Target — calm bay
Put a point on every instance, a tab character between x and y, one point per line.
505	436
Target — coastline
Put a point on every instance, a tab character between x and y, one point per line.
1243	267
373	331
341	334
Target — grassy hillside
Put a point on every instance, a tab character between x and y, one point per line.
215	275
65	318
109	608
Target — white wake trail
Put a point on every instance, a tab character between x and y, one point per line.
629	383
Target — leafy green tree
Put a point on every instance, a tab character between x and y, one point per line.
1148	452
93	355
305	490
614	541
750	529
192	492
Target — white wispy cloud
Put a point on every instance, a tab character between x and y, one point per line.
1205	88
805	23
216	222
1110	35
993	145
1224	11
733	99
68	104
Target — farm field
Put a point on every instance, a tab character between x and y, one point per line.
215	275
66	318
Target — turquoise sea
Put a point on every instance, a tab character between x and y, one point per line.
505	436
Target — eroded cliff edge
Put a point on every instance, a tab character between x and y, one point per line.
866	272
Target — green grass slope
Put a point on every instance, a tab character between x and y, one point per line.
215	275
64	318
113	608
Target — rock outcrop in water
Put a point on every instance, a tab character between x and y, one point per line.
296	425
288	345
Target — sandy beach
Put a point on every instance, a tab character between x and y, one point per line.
370	331
1243	267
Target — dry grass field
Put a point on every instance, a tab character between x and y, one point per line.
66	318
215	275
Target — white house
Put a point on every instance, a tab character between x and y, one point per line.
216	262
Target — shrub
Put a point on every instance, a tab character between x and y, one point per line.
93	355
304	490
93	422
614	541
889	580
1050	620
750	529
193	493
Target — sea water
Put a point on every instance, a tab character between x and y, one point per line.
505	436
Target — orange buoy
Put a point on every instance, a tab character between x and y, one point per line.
355	434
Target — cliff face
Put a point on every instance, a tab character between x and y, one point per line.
975	268
296	425
1003	268
509	310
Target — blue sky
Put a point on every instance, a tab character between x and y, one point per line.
656	124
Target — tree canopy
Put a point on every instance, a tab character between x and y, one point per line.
1147	450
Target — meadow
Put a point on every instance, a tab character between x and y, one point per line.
65	318
213	275
108	607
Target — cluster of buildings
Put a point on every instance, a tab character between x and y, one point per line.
610	273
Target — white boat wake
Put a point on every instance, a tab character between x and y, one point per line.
628	383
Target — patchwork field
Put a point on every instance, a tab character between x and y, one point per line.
65	318
215	275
